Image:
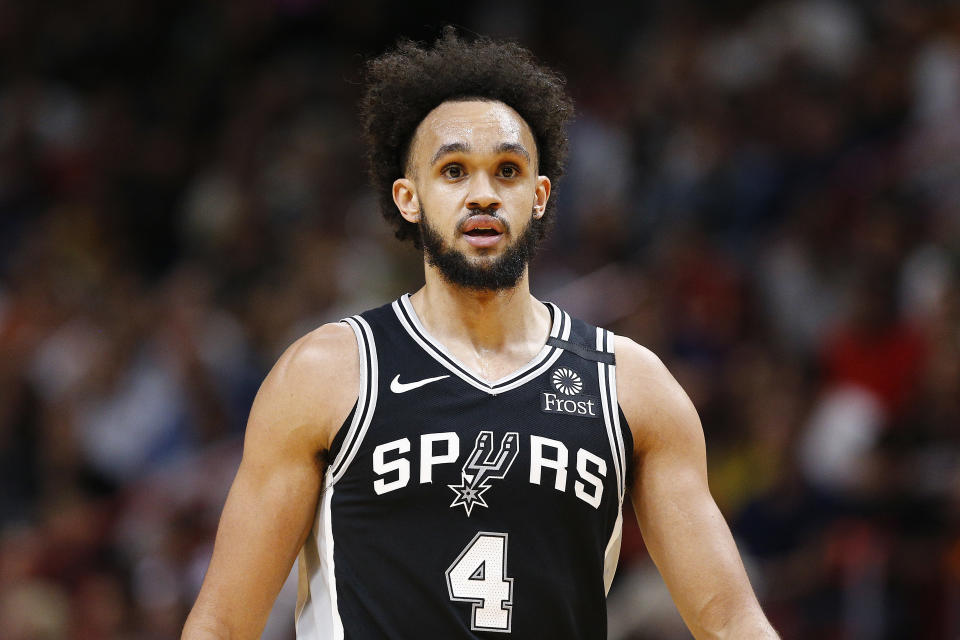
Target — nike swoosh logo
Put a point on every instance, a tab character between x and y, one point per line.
402	387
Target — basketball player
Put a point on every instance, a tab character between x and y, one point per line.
454	464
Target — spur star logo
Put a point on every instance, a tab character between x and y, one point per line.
482	466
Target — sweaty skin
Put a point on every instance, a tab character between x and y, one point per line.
467	155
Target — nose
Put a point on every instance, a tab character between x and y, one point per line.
482	194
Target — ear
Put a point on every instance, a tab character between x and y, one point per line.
540	197
405	197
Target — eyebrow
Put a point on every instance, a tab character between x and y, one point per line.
452	147
460	147
513	147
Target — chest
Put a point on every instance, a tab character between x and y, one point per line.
431	440
446	446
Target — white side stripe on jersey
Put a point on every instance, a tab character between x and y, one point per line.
610	410
612	554
366	400
615	414
611	418
318	614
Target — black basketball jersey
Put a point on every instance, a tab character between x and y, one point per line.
457	508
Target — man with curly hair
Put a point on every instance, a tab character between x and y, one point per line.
454	464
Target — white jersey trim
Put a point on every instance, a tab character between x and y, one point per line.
366	400
612	554
615	414
611	418
317	614
543	360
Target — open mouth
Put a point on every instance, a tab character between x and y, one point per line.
483	231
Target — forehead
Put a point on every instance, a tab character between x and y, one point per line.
480	125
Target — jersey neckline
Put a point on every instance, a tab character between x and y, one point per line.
559	328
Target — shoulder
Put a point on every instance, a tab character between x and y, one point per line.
320	355
312	386
657	408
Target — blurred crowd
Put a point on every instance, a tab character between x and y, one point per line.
766	194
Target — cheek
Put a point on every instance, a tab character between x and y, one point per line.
444	206
523	199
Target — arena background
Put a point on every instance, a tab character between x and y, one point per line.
767	194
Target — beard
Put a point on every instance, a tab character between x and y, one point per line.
503	272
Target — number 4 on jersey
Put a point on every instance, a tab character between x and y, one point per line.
479	575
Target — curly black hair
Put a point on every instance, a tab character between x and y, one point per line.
407	83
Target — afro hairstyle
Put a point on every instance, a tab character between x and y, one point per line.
405	84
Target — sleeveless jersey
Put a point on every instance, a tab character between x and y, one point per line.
456	508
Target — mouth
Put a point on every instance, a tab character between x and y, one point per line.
483	231
474	233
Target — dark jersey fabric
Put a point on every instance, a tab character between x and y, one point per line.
456	508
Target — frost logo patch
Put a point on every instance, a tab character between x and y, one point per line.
568	399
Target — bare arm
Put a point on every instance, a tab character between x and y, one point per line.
272	503
682	527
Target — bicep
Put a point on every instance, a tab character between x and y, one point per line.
271	505
266	518
686	535
683	529
669	485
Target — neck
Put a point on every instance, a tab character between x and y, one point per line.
486	321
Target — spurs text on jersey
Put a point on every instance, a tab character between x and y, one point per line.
548	457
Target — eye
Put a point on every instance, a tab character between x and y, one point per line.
509	171
452	171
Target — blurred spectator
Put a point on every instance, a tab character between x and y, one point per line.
764	193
